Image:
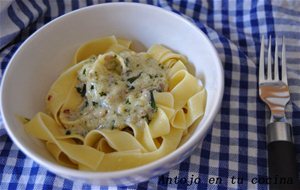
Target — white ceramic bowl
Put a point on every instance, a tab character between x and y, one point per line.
44	55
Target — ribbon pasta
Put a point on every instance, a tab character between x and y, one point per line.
113	149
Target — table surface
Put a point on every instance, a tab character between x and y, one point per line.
233	154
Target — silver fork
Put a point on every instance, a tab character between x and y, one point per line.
274	91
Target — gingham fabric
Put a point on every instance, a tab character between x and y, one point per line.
236	145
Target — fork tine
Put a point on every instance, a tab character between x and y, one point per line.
276	74
269	73
283	63
261	61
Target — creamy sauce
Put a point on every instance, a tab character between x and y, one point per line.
120	96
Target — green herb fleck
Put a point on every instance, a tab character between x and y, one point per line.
68	132
132	79
84	71
127	102
131	88
161	66
92	87
82	90
126	61
113	124
95	103
128	71
102	94
152	101
146	117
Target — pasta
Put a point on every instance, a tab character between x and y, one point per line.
114	109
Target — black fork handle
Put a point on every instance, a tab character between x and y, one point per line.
283	169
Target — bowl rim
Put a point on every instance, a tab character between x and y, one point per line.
59	169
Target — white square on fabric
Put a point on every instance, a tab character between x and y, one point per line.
195	159
11	162
252	169
253	136
233	149
233	165
213	163
233	134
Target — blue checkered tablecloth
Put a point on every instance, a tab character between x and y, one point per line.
236	145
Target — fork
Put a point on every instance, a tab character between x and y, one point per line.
274	91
